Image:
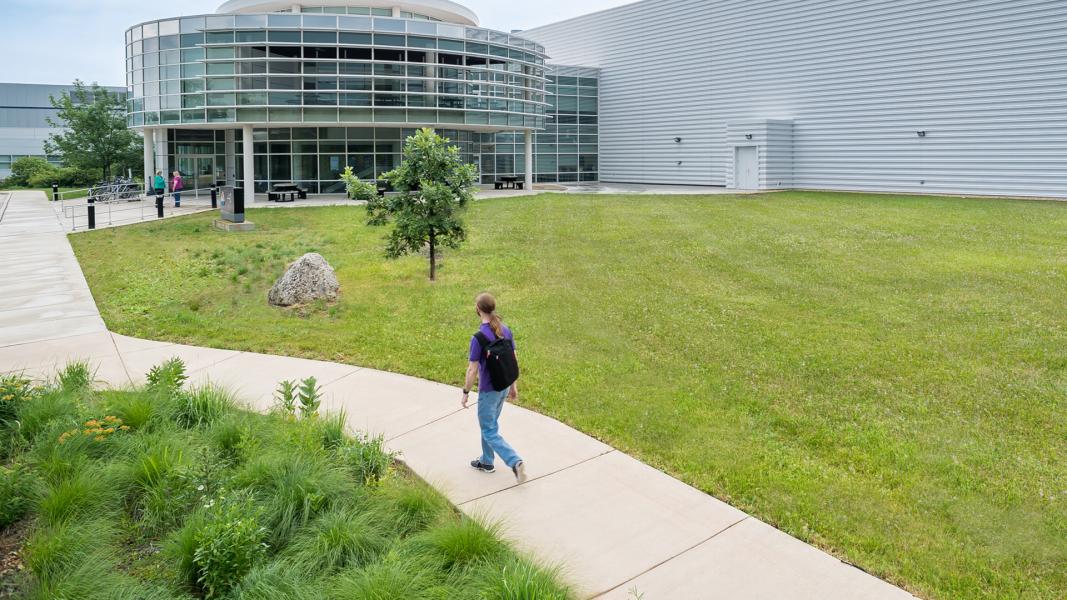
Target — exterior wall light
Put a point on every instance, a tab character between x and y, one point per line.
748	136
922	134
678	140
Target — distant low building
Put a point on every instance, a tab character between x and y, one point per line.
24	112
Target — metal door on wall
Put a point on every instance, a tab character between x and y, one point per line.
746	168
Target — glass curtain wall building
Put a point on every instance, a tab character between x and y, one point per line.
267	92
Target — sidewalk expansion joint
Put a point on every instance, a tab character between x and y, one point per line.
539	477
669	559
434	421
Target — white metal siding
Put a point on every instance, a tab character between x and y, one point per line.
986	79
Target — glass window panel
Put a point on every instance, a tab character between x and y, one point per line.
247	37
219	22
286	98
221	115
389	25
285	83
290	21
220	69
252	98
151	30
354	22
285	115
284	37
320	37
276	66
320	22
220	53
192	40
305	167
281	168
251	21
192	55
390	40
218	84
358	39
320	115
252	115
331	166
219	37
169	42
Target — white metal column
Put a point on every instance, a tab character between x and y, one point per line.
149	156
529	159
249	165
160	139
230	168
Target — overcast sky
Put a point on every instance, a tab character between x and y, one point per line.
57	41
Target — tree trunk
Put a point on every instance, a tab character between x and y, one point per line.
433	255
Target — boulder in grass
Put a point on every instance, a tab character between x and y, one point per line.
308	279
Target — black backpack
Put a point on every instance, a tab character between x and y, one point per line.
500	361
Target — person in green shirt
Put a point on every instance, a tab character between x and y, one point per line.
160	184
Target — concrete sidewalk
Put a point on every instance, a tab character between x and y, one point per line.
620	528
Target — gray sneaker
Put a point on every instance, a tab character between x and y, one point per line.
478	465
520	472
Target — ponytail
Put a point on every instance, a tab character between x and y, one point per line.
487	306
497	325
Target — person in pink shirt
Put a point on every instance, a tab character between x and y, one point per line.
176	185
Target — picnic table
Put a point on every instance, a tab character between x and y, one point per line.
286	192
509	182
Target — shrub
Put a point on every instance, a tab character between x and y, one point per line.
85	493
228	544
59	548
135	409
14	390
462	543
338	539
357	189
167	377
28	167
285	398
203	406
235	438
296	488
38	415
77	377
367	458
387	580
309	395
17	486
277	581
520	580
407	507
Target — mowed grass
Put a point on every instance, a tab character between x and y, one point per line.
882	376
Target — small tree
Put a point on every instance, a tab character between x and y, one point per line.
94	132
433	185
357	189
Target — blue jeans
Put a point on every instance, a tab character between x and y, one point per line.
177	197
490	404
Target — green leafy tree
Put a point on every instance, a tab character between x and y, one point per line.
94	134
356	188
433	185
28	167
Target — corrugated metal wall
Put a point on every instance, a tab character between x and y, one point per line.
985	79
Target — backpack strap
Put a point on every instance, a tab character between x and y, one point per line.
483	340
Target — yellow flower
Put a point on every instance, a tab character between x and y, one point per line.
125	428
100	438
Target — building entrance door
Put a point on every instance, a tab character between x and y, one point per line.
198	171
746	168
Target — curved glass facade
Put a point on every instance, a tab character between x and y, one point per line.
282	69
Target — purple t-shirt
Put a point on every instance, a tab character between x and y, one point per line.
485	383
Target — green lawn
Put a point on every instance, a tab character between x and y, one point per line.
882	376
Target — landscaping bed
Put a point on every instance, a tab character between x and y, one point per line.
882	376
167	493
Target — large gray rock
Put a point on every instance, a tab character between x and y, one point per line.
308	279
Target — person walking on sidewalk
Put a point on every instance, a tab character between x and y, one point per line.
176	185
494	366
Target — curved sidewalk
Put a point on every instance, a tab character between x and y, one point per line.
622	529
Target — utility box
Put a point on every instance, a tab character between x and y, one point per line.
762	154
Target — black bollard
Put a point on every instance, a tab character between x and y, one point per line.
159	205
55	192
92	213
214	196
